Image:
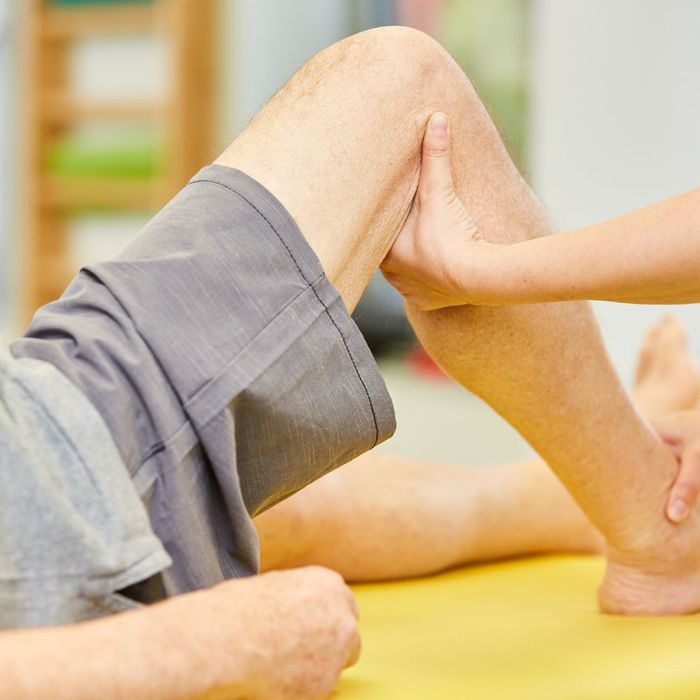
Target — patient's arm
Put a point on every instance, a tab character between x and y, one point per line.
281	635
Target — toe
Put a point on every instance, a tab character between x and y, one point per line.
673	330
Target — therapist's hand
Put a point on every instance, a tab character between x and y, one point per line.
439	258
681	433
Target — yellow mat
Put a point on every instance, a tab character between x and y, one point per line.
522	630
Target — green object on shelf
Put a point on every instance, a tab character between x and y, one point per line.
130	155
101	2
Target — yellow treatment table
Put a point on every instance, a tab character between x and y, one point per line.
522	630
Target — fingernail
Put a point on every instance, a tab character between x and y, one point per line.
678	511
438	124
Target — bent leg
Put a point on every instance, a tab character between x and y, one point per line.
339	146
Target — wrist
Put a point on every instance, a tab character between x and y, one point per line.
524	273
200	637
486	275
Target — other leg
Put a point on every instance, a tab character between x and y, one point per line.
386	517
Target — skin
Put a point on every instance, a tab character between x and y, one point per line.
359	142
681	433
384	517
223	643
480	514
388	517
551	357
341	147
650	256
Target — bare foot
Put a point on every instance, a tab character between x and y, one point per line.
662	575
662	580
666	381
666	378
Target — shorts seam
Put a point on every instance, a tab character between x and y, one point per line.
202	389
316	294
162	445
158	446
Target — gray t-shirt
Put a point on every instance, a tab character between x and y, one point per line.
73	531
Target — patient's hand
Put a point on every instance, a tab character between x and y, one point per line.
681	432
303	632
435	259
284	635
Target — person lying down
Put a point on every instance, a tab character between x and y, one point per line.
171	426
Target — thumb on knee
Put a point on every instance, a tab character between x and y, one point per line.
436	166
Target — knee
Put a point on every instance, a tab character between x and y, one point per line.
405	51
399	58
408	64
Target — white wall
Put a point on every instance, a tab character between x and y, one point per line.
263	42
616	122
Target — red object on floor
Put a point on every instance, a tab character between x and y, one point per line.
420	363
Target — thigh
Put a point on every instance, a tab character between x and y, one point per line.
339	145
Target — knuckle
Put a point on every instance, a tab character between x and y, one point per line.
687	491
311	573
334	588
349	628
323	580
335	579
691	464
320	572
438	150
354	652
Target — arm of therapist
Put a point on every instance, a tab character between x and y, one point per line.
442	256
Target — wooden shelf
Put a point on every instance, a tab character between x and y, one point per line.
54	275
62	109
65	23
107	194
181	117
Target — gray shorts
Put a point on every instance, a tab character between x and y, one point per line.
224	364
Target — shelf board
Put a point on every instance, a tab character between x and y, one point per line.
101	194
82	21
54	275
62	109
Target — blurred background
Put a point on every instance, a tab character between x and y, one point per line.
108	107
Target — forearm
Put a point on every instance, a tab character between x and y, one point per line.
650	256
166	652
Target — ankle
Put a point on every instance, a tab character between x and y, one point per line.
662	546
636	527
